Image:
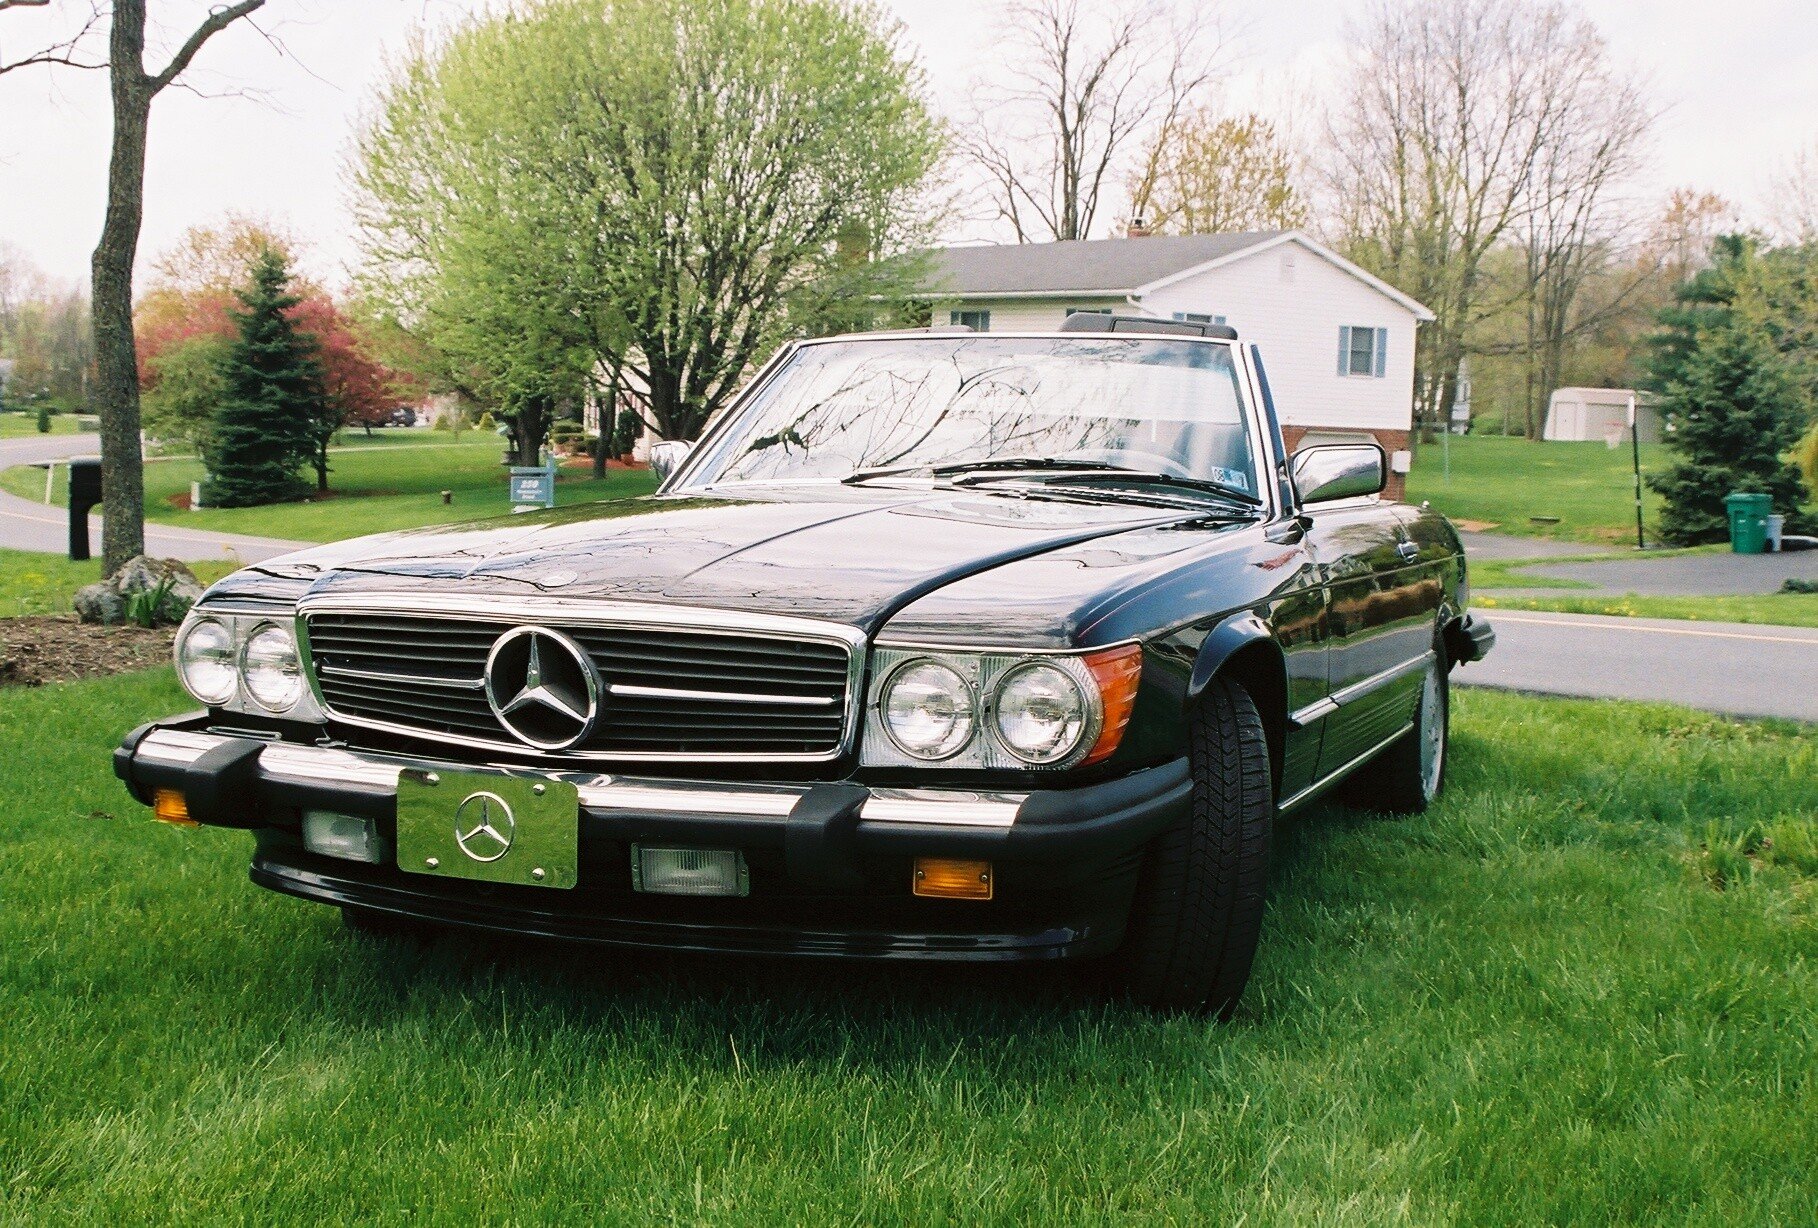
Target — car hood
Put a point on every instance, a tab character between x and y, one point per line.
849	554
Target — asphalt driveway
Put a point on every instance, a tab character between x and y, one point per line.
25	525
1736	668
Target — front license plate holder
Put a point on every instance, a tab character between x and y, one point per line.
489	828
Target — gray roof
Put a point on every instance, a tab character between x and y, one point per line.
1102	266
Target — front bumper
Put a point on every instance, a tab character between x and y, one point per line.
830	862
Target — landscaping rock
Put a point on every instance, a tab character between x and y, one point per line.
107	602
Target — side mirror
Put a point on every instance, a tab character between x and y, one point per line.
1339	471
666	457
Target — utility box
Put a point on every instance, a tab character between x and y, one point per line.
84	496
1748	521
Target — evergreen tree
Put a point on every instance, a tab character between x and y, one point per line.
262	433
1731	396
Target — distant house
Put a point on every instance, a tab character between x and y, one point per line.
1337	342
1591	414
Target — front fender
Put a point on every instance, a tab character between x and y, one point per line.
1233	635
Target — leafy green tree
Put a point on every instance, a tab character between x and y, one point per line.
187	384
662	188
1734	399
264	428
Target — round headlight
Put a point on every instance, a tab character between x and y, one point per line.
205	662
274	675
1040	712
927	710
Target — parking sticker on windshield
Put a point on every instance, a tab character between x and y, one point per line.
1231	477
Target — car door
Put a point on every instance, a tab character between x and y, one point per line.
1374	617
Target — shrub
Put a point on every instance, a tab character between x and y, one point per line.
44	418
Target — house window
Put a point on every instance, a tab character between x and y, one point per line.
977	321
1088	311
1198	317
1362	351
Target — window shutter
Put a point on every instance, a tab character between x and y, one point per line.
1344	349
1382	349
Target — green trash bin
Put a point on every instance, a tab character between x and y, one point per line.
1748	521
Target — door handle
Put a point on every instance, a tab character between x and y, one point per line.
1408	551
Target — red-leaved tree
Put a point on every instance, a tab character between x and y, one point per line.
182	339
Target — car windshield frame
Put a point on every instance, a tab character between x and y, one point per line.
720	445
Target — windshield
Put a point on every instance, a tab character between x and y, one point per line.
837	408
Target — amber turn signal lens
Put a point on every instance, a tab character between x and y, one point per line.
168	806
1117	671
948	879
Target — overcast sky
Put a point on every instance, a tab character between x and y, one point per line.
1738	84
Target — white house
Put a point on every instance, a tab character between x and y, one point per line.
1337	342
1577	414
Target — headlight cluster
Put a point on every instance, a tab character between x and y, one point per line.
998	710
245	663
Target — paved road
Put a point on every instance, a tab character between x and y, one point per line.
1734	668
1684	575
25	525
1505	546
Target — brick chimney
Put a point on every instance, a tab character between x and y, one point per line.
1137	229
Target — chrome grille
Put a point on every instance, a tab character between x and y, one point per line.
668	692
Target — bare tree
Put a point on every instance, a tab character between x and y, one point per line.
1793	197
1596	127
1460	117
132	88
1082	95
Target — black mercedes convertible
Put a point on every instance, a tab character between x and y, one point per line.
936	645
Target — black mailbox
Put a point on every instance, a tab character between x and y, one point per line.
84	495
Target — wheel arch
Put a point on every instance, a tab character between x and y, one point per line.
1243	649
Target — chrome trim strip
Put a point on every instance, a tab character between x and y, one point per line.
725	697
1302	717
1321	709
1357	690
571	611
327	766
1327	781
374	675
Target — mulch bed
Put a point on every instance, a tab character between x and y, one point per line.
57	648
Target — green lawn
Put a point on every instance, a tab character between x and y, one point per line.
32	583
1504	482
1581	990
14	424
1777	609
392	481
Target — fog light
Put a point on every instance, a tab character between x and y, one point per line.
347	836
168	806
680	871
948	879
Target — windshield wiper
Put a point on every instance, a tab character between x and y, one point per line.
972	466
1091	469
1208	486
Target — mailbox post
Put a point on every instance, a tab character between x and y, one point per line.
84	495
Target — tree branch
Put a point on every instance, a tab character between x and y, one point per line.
63	53
212	25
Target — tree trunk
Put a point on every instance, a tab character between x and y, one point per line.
322	468
116	358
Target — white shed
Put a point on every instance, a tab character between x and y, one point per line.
1586	415
1337	342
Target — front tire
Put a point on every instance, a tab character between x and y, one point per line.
1198	909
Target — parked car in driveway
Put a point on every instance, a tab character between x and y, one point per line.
938	645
